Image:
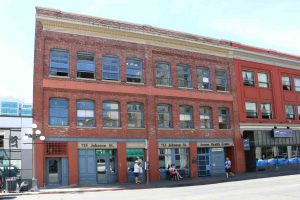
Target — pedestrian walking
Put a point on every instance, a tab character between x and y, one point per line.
136	172
228	168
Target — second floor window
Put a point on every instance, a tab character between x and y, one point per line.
184	76
205	118
203	78
58	112
110	68
289	112
263	80
164	116
186	117
111	114
85	65
163	74
266	111
85	113
251	110
248	78
221	80
297	84
135	115
224	122
134	70
59	62
286	83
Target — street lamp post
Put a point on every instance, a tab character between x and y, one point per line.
34	133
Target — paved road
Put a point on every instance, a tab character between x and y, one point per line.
276	188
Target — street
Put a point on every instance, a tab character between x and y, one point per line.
281	188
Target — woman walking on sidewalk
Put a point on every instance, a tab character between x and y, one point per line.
228	168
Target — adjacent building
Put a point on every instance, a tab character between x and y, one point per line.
108	92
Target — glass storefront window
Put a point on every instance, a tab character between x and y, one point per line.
131	156
177	156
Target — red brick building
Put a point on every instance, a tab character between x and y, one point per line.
107	93
268	95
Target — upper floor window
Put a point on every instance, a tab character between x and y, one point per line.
290	112
298	114
297	84
85	113
58	112
134	70
111	114
263	80
224	122
251	110
110	68
184	76
248	78
186	117
203	78
1	141
221	80
135	115
266	110
163	74
286	83
85	65
205	118
59	62
164	116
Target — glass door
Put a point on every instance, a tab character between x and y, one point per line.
53	171
203	162
102	169
106	166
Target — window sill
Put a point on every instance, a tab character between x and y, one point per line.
53	126
165	129
221	91
187	88
118	128
136	128
133	83
86	79
111	81
187	129
167	86
82	127
206	90
230	129
206	129
63	77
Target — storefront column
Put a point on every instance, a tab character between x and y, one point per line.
153	160
40	168
122	163
193	160
73	163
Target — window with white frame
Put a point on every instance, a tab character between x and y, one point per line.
263	80
163	74
85	113
297	84
221	80
251	110
205	117
134	70
110	68
59	62
203	74
286	83
164	116
266	110
186	117
248	78
135	113
224	122
184	76
110	114
85	65
289	112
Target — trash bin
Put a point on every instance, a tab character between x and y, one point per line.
11	184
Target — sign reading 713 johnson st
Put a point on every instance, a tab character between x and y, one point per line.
97	145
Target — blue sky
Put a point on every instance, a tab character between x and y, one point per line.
270	24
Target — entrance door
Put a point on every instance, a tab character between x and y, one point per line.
217	161
106	166
203	162
53	171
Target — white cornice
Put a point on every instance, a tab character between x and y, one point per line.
266	126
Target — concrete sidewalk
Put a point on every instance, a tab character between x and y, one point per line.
157	184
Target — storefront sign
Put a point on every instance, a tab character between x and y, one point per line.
283	132
246	144
135	145
173	145
216	149
215	144
97	145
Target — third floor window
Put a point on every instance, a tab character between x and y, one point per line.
59	62
297	84
163	74
263	80
248	78
134	70
203	78
110	68
286	83
85	65
184	76
221	80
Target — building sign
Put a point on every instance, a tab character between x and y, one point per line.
246	144
215	144
135	145
173	145
283	132
216	149
97	145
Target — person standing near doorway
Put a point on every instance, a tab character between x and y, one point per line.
228	168
136	172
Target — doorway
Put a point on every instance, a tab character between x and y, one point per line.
106	166
53	171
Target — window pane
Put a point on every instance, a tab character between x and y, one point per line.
85	65
266	111
203	78
85	113
163	76
290	112
184	76
251	110
248	78
110	68
286	83
263	80
164	116
224	118
135	115
205	118
134	71
186	117
297	84
58	112
111	114
59	62
221	80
